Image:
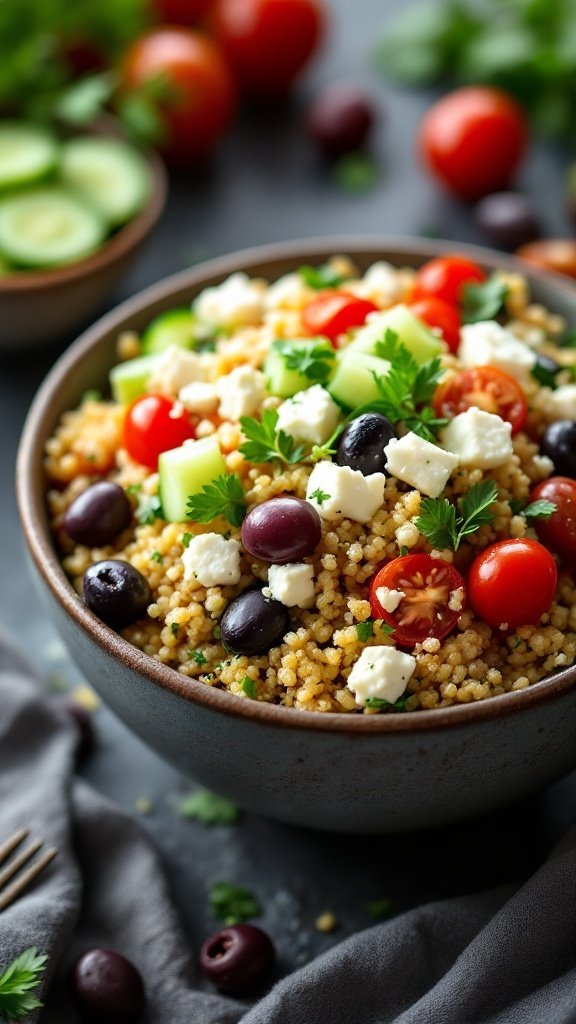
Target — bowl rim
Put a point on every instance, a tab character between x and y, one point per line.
40	545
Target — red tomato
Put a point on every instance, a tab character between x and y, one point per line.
153	425
200	93
559	531
512	583
427	584
485	387
473	140
180	12
268	41
334	313
440	314
444	278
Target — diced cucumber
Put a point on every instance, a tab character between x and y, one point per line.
176	327
27	153
410	330
284	382
353	383
129	380
185	471
112	175
48	227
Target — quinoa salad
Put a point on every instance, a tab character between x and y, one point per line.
334	492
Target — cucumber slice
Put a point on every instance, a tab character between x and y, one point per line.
176	327
48	227
27	153
109	173
410	330
184	471
353	383
129	380
284	382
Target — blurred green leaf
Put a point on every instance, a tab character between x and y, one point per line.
84	100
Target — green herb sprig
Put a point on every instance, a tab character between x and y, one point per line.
232	903
407	389
264	443
313	360
209	808
148	506
17	982
379	704
320	277
445	526
540	509
483	301
223	497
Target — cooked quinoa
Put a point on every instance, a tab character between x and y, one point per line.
310	667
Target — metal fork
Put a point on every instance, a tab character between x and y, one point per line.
10	892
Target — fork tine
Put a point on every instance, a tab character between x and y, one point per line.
12	843
21	883
18	862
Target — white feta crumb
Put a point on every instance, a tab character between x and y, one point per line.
288	292
407	535
389	598
292	584
237	302
487	343
199	397
480	439
241	393
431	645
175	368
382	672
456	602
311	415
381	284
543	464
419	463
559	404
212	560
338	491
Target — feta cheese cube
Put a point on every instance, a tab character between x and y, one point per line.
337	491
381	672
419	463
199	397
288	292
237	302
241	393
310	415
382	284
487	343
389	598
292	584
407	535
212	560
561	403
175	368
480	439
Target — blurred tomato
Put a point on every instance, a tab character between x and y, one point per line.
199	89
180	12
557	254
268	41
445	277
441	315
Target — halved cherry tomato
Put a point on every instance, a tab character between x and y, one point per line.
333	313
485	387
512	583
153	425
444	278
559	531
438	313
428	585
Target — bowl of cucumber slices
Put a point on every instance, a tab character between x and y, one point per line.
74	212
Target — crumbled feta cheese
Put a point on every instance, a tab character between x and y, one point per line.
236	302
559	404
310	415
241	393
480	439
337	491
199	397
175	368
381	284
543	464
419	463
288	292
381	672
456	602
212	560
388	598
487	343
292	584
407	535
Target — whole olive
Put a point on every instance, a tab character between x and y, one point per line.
507	219
252	623
340	118
107	987
282	529
362	444
98	515
116	592
238	958
559	444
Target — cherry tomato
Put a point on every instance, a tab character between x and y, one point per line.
333	313
200	93
473	140
424	611
559	531
486	388
512	583
180	12
558	254
153	425
444	278
268	41
438	313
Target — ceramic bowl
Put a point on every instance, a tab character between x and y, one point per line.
332	771
38	307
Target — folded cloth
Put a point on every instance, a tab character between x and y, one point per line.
507	956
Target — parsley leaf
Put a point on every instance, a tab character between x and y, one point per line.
249	687
148	506
223	497
175	627
320	496
545	375
156	556
406	389
17	982
483	301
265	444
379	704
365	630
445	527
185	539
209	808
92	395
541	509
312	359
198	657
323	276
232	903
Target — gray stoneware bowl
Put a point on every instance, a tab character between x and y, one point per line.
382	773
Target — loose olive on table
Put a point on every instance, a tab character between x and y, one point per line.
507	219
559	444
363	441
280	530
252	623
116	592
107	987
98	515
237	959
340	118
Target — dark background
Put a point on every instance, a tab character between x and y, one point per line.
266	184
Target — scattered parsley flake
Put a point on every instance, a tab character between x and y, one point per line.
545	376
92	395
148	506
232	903
249	687
445	527
312	359
517	642
320	495
175	627
217	632
403	550
156	556
198	657
379	704
223	497
365	630
539	509
379	908
185	539
16	984
483	301
264	443
320	277
406	390
209	808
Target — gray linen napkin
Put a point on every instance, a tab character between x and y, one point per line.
502	957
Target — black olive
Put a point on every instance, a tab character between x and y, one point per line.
98	515
252	623
116	592
559	444
362	444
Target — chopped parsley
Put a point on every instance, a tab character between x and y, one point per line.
223	497
445	526
313	359
16	984
264	443
92	395
320	277
209	808
156	556
175	627
544	375
406	390
403	550
148	506
320	496
198	657
379	704
365	630
185	539
483	301
540	509
232	903
249	687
